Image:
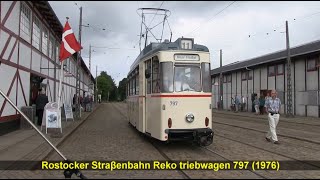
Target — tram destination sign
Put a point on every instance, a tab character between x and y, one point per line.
186	57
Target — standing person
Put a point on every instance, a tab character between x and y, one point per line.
86	103
237	102
265	98
81	101
256	103
74	102
273	105
99	98
232	104
261	104
243	103
268	96
90	103
41	102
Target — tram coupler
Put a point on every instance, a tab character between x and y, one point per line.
204	137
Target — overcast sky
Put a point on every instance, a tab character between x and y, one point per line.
218	25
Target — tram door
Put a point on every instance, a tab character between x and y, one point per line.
147	95
141	99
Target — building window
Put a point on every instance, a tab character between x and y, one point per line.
51	48
57	52
36	33
280	69
229	78
271	71
44	41
25	21
250	75
226	78
312	64
244	75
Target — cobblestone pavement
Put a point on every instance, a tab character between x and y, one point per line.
107	136
248	144
28	146
291	128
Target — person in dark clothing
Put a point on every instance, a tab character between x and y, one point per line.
41	102
74	102
261	104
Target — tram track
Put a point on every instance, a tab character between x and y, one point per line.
298	161
212	151
269	151
219	115
182	173
257	130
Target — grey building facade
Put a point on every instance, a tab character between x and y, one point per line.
262	74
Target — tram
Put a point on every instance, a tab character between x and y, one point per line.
169	92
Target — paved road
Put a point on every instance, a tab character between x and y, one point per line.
107	136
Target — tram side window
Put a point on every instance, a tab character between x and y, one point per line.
149	80
155	76
166	74
134	84
131	86
206	78
137	83
127	90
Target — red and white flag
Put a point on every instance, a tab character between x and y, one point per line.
69	44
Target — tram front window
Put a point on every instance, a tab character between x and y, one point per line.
166	71
187	78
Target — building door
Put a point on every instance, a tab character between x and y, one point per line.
35	86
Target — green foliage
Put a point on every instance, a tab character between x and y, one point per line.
106	86
122	89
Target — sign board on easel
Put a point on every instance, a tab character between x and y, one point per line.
68	111
51	116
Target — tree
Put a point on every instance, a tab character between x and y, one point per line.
107	87
122	88
103	87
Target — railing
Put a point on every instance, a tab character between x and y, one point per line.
68	172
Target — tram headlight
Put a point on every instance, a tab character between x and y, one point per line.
190	117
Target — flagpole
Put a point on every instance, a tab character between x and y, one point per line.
59	96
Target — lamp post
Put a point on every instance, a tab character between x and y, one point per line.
78	109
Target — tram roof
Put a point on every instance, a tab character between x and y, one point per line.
165	46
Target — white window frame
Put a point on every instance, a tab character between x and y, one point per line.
45	40
36	33
25	21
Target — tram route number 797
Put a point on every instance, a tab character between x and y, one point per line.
173	103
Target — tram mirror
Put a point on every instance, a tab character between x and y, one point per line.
147	73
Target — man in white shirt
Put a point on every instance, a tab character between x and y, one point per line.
273	106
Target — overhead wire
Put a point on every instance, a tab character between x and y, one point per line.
212	17
156	13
